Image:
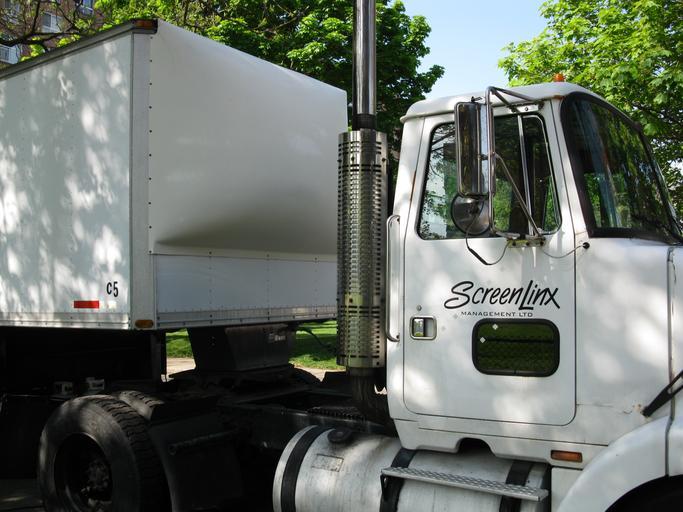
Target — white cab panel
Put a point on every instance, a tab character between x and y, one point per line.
622	353
632	460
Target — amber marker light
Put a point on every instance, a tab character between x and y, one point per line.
566	456
558	77
145	24
144	323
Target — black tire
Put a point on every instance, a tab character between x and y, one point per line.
96	456
143	403
663	495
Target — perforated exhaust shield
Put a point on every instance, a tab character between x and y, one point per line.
361	227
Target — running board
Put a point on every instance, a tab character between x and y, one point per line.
521	492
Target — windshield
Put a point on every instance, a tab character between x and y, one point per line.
621	190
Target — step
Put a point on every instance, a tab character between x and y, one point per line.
465	482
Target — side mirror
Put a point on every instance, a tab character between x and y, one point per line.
470	215
470	156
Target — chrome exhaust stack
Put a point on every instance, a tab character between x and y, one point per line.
364	66
361	223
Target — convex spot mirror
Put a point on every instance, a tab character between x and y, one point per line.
471	149
470	215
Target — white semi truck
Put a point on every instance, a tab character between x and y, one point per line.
509	330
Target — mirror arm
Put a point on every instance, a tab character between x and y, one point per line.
520	199
501	98
490	135
498	92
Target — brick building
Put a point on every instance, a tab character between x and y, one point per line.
51	17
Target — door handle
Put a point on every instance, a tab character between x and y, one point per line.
393	277
423	328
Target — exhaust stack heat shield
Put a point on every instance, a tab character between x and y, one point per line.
361	232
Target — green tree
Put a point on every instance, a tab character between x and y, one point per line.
628	51
313	37
22	23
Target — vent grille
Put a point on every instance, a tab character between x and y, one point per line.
361	228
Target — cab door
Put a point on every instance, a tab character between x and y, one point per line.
489	327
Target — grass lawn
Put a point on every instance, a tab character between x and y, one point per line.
313	353
307	351
178	344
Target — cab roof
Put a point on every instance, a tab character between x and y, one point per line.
538	92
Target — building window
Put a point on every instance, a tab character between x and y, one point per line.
86	7
11	8
9	54
50	22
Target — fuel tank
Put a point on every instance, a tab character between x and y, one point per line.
327	470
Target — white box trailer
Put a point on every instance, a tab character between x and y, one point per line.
160	178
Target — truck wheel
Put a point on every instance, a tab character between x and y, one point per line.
96	456
663	495
668	501
143	403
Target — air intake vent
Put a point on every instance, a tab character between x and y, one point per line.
361	223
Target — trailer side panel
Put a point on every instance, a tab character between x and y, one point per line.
242	186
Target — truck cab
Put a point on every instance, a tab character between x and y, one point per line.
542	326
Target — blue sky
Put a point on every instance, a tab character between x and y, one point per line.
468	38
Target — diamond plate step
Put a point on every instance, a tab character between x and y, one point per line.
464	482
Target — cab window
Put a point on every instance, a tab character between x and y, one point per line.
522	143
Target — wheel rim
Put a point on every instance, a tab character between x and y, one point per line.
83	476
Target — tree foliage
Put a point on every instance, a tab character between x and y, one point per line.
628	51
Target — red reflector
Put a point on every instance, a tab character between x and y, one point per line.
86	304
